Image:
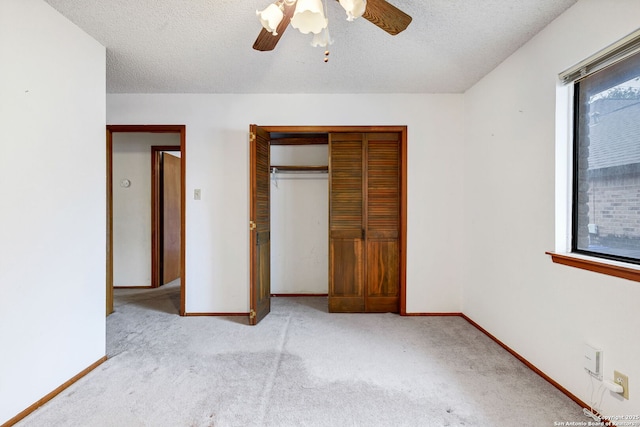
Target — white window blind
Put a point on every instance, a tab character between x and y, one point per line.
608	56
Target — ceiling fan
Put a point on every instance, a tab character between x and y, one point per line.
308	16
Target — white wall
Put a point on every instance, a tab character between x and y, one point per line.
52	238
217	157
132	205
299	221
544	311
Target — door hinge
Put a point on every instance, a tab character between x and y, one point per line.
252	314
252	137
252	226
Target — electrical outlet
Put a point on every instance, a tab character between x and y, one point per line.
197	194
623	380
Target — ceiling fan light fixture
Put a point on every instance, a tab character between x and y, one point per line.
309	17
270	18
354	8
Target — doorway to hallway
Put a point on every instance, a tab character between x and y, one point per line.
157	219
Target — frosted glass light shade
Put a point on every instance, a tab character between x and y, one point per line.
322	39
270	18
309	17
354	8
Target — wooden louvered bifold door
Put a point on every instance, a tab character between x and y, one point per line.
260	225
382	222
364	212
346	225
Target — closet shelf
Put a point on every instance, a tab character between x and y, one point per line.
320	169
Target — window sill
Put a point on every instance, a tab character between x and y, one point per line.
610	268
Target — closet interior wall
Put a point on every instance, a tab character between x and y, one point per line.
299	216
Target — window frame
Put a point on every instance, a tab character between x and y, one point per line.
610	82
567	98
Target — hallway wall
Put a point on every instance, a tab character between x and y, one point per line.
132	205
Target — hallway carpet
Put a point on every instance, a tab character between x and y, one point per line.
301	366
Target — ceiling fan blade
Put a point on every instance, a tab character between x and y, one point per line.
386	16
267	41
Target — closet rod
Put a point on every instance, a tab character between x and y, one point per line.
321	169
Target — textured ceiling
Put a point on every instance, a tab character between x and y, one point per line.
205	46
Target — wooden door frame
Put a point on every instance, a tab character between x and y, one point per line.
111	129
402	130
156	222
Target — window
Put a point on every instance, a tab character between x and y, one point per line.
606	161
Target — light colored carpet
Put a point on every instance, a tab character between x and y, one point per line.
301	366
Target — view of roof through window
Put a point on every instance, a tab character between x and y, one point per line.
609	137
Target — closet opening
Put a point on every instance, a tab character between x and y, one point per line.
328	216
299	194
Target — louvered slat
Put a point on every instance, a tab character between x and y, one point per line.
383	184
263	209
346	184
